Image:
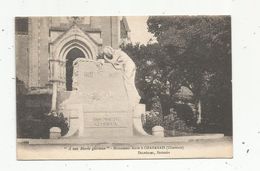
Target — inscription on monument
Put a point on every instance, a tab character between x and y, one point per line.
111	120
106	122
89	74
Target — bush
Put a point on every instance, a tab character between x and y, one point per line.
152	119
39	128
57	120
173	123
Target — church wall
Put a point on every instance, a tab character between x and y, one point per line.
96	22
22	60
38	51
33	52
115	32
105	23
43	51
110	30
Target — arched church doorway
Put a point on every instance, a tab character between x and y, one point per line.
71	56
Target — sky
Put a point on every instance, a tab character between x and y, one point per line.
139	32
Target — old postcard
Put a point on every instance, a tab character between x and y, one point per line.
123	87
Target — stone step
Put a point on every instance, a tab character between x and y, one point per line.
127	140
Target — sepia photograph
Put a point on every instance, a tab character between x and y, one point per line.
123	87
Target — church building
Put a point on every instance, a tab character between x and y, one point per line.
45	48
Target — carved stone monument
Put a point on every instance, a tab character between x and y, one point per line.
99	105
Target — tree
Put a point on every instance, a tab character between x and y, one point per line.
199	52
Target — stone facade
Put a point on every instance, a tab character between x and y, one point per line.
42	44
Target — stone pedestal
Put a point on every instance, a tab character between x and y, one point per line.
55	133
99	106
158	131
139	109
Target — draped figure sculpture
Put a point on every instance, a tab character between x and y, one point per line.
121	61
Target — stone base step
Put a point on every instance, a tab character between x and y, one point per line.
123	140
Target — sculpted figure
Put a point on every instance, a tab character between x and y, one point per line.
121	61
